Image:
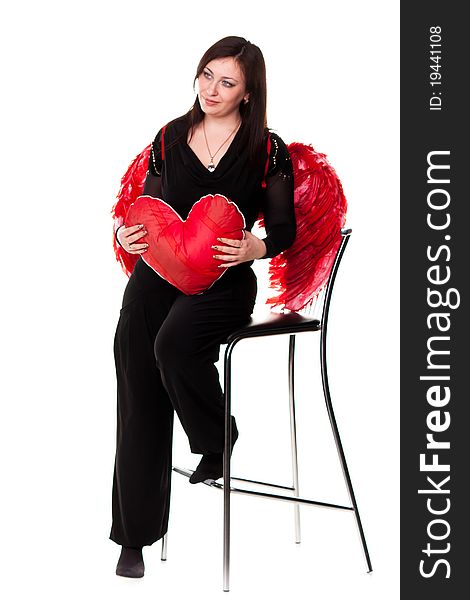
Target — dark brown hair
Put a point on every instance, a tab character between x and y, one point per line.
253	113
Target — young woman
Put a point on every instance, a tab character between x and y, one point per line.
167	343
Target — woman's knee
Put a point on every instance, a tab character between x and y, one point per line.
168	349
181	350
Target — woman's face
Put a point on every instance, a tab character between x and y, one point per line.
221	87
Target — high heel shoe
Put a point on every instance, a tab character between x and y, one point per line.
131	563
211	465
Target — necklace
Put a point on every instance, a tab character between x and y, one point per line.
211	166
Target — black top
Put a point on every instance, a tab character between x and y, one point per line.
181	179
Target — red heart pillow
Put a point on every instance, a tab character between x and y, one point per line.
180	251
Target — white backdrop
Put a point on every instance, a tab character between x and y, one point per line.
85	87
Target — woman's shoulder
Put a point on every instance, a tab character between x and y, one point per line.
168	134
172	128
273	134
279	157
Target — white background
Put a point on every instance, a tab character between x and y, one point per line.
85	87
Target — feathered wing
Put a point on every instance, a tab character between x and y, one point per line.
299	273
132	186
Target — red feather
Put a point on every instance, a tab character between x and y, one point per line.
299	273
132	186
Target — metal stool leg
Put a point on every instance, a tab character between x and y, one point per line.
293	437
226	469
164	546
339	446
345	233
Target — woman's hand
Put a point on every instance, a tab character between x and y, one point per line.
239	251
127	236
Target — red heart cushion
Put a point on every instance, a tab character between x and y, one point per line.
180	251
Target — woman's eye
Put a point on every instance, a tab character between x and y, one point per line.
226	83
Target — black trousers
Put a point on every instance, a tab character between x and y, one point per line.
165	347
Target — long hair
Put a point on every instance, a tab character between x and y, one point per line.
253	113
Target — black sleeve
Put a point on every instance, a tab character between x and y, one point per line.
278	202
153	182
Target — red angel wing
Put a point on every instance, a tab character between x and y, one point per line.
299	273
132	186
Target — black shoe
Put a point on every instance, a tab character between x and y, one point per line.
131	563
211	465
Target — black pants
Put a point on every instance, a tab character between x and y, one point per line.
165	347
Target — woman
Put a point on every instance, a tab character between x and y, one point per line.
167	343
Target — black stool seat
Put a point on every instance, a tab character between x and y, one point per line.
275	324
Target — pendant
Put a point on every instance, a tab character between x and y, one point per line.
211	166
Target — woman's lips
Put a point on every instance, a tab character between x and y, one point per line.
210	102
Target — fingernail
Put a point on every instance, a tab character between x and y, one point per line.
141	225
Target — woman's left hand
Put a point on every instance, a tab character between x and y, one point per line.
239	251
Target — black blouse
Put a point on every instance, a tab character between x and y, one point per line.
181	179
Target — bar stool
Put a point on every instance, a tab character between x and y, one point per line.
285	323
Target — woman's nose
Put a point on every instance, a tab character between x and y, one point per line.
212	88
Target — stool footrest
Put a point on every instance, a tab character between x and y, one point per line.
273	485
295	499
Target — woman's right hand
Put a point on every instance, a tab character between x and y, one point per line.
127	236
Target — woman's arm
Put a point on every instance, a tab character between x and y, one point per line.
153	181
278	202
152	185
